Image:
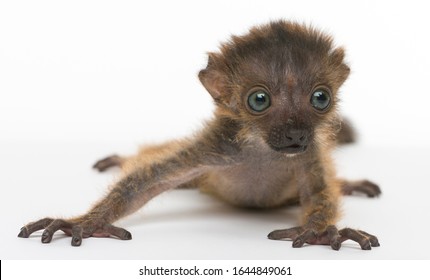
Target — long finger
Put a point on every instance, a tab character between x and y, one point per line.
373	239
307	236
290	233
356	236
334	237
77	236
28	229
118	232
52	228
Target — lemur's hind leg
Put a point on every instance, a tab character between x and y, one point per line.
108	162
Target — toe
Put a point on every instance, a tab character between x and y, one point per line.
23	233
46	236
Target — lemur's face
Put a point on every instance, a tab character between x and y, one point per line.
286	119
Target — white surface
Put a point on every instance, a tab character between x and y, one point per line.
80	80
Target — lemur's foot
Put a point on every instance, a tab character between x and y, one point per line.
362	186
331	236
78	228
106	163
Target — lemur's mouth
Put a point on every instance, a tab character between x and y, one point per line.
291	149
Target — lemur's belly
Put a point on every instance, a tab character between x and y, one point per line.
253	185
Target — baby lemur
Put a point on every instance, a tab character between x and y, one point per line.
269	143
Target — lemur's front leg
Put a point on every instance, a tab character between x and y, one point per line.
129	194
319	196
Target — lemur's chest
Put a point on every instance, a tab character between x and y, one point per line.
257	181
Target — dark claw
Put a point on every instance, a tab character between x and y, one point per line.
276	235
272	235
23	233
334	237
335	245
373	239
118	232
298	243
374	189
308	236
76	241
127	236
366	246
290	233
77	235
374	243
46	236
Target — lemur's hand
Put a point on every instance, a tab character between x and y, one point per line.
82	227
331	236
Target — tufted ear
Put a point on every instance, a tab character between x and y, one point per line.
337	61
214	80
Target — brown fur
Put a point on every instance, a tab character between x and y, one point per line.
248	158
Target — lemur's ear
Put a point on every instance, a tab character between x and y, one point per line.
213	79
338	63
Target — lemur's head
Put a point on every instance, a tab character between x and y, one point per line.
280	81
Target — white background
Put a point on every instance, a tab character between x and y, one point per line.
80	80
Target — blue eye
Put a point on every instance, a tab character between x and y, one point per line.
320	99
259	101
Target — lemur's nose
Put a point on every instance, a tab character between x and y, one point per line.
296	136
